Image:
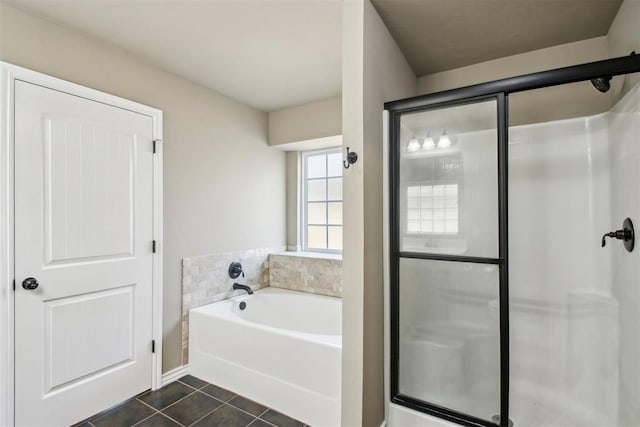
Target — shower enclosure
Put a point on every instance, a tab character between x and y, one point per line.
505	308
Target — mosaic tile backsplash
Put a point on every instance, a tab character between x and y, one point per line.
205	279
299	272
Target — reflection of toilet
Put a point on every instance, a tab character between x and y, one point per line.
431	366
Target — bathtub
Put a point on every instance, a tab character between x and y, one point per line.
283	350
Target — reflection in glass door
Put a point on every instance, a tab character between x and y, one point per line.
448	260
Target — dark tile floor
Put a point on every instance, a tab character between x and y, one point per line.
190	402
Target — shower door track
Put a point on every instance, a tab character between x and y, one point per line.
498	90
556	77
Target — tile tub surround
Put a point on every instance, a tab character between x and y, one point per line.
190	402
315	273
205	279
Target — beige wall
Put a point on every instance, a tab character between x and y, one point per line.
374	71
303	127
555	103
314	120
623	38
387	77
352	212
293	194
223	186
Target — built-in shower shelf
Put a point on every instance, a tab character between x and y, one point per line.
571	302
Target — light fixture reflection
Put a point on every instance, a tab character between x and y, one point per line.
444	141
428	143
413	145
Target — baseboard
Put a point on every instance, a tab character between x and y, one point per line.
174	375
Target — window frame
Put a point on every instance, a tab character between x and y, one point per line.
303	199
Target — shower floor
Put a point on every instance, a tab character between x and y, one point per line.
190	402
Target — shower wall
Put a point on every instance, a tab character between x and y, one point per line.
563	315
574	306
559	200
624	136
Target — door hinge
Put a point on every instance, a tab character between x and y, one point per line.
153	346
155	143
14	284
153	246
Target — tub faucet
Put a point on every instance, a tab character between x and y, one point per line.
238	286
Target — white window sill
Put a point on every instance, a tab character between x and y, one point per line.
315	255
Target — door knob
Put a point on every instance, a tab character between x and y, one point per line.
30	283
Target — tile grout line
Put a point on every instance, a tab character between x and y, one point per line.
211	395
173	419
275	425
190	386
242	410
266	422
182	398
179	400
145	418
157	410
101	414
196	391
161	414
262	419
193	392
207	414
197	388
144	403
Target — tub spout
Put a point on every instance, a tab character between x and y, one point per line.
238	286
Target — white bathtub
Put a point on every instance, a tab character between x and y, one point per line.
283	350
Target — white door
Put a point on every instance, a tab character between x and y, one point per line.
83	230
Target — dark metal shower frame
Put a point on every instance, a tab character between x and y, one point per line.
498	90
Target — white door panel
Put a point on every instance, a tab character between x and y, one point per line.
83	229
106	328
88	183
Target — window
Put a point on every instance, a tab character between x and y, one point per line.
322	200
433	196
432	209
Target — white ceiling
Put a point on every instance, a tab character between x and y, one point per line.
268	54
272	54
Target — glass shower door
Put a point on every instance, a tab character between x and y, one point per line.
447	260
